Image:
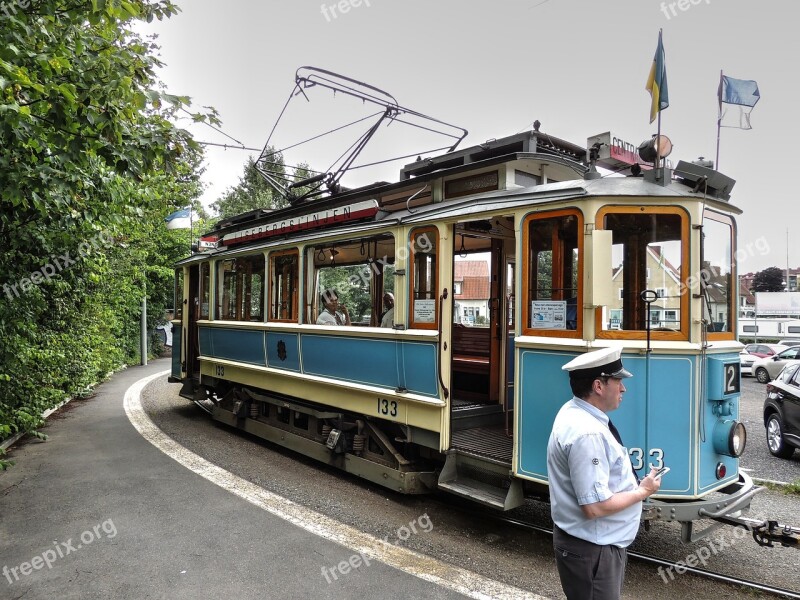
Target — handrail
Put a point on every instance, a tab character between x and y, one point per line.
442	298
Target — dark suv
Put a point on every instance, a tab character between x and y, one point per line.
782	412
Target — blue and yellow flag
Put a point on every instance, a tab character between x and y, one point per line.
657	82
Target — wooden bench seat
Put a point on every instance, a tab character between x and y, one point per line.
471	347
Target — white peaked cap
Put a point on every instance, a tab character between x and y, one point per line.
606	362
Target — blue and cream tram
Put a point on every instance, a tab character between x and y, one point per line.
575	262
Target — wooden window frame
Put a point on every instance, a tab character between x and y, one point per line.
180	278
243	289
733	299
433	233
202	288
641	334
526	264
294	293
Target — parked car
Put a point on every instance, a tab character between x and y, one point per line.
766	369
751	352
789	342
782	412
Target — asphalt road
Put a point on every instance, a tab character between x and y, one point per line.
515	557
181	536
757	461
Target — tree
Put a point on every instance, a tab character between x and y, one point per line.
88	156
252	191
768	280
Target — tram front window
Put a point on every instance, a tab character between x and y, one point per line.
716	281
648	253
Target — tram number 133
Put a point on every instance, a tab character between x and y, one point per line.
387	407
637	458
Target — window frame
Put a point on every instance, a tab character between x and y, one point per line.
295	293
733	310
242	283
180	278
205	290
526	264
639	334
433	233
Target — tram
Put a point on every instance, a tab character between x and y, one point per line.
576	262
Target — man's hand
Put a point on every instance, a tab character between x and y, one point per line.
650	484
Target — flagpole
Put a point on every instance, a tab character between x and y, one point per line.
661	163
719	117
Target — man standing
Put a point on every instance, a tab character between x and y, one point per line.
595	500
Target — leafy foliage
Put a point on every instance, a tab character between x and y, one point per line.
252	191
768	280
90	163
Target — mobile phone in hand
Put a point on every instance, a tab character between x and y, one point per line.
661	472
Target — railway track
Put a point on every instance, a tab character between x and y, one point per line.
654	560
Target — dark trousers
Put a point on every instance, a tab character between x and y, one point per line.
588	571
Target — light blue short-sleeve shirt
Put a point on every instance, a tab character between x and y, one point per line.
585	465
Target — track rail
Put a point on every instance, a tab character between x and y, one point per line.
654	560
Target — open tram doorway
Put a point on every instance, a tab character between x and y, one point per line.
197	309
481	300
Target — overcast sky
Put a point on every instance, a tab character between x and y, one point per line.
578	66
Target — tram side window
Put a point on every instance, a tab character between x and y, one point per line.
284	272
553	273
241	289
648	253
361	271
716	281
424	292
205	291
178	304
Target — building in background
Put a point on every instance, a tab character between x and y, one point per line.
471	292
662	277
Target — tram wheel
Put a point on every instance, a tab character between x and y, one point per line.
775	442
762	376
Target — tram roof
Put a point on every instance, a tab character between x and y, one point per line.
530	149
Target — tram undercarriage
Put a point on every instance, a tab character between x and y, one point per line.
353	443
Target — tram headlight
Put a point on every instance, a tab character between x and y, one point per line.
730	438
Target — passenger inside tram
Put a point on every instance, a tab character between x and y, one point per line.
333	313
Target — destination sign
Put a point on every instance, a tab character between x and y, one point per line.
615	153
315	220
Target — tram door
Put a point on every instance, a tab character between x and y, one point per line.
192	340
480	321
496	318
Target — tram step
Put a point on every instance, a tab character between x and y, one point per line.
495	496
476	415
478	491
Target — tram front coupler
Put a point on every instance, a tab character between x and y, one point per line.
767	532
772	531
727	509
